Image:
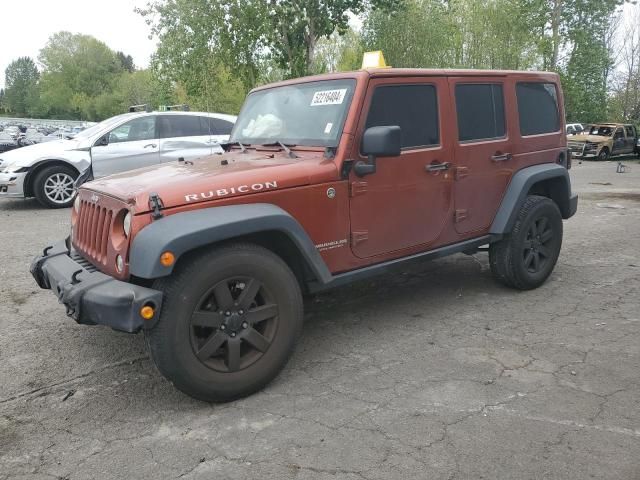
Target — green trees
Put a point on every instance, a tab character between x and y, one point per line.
624	103
216	51
294	27
456	33
81	78
21	80
586	70
572	37
76	70
211	52
126	62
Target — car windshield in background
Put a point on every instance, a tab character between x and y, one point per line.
602	131
303	114
98	127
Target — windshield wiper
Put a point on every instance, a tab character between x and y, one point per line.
283	146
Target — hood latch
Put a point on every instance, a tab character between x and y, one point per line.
156	205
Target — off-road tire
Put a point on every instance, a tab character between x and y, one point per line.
510	259
604	154
48	174
171	340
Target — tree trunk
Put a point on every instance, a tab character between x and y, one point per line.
311	40
556	14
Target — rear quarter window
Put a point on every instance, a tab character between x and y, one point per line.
172	126
537	108
220	127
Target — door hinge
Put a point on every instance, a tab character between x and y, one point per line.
461	172
460	215
357	188
359	237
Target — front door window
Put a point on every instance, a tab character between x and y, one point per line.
134	130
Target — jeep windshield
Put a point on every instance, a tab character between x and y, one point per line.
311	114
601	130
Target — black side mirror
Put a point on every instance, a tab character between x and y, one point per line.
381	141
103	141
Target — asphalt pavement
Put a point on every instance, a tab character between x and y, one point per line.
436	372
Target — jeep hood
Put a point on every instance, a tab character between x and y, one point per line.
216	177
588	138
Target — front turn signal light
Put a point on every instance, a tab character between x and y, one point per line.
167	259
147	312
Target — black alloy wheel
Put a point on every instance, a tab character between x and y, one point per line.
234	324
536	247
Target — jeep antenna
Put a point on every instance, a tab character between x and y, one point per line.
206	101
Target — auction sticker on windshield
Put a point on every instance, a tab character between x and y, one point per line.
328	97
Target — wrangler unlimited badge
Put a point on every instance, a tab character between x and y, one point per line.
223	192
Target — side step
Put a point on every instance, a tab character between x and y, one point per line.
347	277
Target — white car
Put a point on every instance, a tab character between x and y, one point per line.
48	170
574	128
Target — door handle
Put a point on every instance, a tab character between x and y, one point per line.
501	157
152	145
436	167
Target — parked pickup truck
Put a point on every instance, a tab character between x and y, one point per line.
604	140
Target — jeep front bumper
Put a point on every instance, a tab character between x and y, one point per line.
585	155
91	297
12	184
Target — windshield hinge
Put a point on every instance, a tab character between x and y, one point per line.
155	204
330	152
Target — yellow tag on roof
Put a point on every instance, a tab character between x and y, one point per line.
373	60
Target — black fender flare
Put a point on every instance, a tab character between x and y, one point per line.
519	187
183	232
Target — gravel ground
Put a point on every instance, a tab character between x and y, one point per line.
435	373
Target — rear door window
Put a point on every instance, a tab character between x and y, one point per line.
630	131
537	108
414	108
480	111
172	126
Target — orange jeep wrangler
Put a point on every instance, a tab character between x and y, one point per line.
325	180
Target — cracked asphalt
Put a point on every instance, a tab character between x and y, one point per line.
436	372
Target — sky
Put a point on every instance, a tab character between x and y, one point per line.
27	28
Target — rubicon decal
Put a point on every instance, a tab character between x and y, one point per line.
223	192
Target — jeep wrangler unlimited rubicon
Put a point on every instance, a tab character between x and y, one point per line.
326	180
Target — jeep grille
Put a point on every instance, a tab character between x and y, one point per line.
91	234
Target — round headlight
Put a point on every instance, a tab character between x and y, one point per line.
126	224
76	204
